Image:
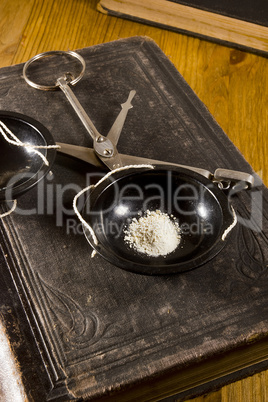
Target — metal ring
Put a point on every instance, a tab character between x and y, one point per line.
47	54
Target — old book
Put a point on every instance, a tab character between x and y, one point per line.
232	22
80	327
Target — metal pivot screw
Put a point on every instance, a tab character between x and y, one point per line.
103	146
108	152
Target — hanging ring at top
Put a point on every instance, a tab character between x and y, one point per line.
48	54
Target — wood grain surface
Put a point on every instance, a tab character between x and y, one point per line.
233	85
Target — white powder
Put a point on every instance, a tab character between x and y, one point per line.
153	234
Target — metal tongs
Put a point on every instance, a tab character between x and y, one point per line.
104	151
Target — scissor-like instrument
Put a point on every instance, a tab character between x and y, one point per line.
104	151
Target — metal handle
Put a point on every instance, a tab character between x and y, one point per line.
91	129
235	179
116	128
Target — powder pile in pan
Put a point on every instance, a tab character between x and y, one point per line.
154	234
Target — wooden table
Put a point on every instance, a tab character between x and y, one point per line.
232	83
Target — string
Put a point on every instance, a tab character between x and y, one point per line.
14	140
228	230
84	190
10	210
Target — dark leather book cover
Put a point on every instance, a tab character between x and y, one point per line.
80	327
251	11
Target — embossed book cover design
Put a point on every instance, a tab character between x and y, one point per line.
99	328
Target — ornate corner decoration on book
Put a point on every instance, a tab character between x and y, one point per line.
252	262
78	328
250	239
